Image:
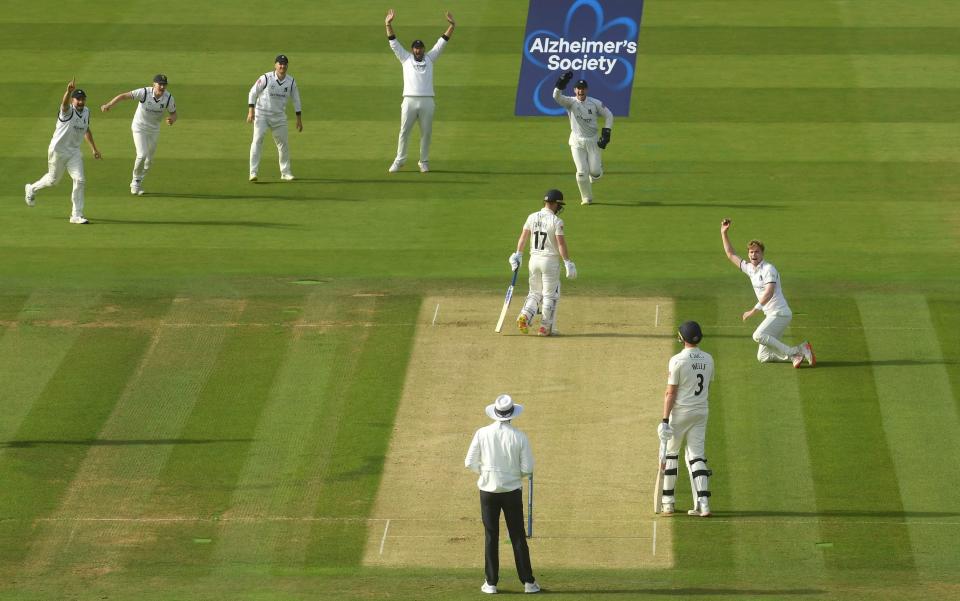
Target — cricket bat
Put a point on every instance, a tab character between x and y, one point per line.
658	488
530	509
506	301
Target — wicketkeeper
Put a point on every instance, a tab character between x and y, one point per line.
685	411
584	112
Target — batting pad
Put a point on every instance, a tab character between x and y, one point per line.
589	395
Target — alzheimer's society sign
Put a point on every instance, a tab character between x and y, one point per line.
596	39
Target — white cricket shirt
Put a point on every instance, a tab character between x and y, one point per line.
270	95
760	276
501	454
544	227
584	115
691	371
71	126
150	110
417	75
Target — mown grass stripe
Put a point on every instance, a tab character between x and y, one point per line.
920	419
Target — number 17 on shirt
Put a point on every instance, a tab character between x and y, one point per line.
506	301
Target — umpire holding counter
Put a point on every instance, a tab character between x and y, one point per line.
501	455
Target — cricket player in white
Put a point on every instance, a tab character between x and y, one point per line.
548	245
777	315
63	154
685	412
267	109
146	124
584	111
418	93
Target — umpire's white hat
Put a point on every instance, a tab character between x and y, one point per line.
503	409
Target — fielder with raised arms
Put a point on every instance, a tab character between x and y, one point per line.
584	111
267	109
146	124
685	411
548	245
418	105
777	315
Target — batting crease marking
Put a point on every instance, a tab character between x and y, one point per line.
386	528
434	322
656	320
654	537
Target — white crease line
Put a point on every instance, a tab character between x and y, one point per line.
435	315
656	321
385	529
654	537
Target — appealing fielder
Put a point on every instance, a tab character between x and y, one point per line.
63	154
500	454
267	109
146	124
685	411
418	93
777	315
584	111
548	246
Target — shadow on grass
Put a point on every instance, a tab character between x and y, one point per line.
692	592
99	442
257	224
612	335
391	179
839	513
656	203
884	362
241	197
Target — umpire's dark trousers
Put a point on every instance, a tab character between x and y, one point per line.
511	503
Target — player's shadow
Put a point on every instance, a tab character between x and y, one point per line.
691	592
613	335
241	197
657	203
255	224
101	442
839	513
883	363
393	179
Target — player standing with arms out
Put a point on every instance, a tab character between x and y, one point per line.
418	93
548	245
777	315
63	154
146	124
584	111
685	411
267	109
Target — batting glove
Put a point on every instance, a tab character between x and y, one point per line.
515	259
664	431
571	270
604	137
564	80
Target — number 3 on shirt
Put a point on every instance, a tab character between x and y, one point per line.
699	385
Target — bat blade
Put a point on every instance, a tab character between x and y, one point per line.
506	302
658	487
530	510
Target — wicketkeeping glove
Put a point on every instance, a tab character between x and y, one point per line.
564	80
571	270
515	259
664	431
604	137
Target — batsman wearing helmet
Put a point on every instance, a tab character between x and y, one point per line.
685	410
548	245
584	111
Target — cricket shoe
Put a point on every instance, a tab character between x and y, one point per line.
522	324
490	589
666	509
288	177
29	195
136	190
394	167
531	587
797	360
424	167
253	177
586	201
79	219
807	351
543	331
702	510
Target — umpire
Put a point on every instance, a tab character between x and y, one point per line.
501	455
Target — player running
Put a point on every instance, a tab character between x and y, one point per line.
584	111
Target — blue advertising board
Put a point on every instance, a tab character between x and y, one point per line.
596	39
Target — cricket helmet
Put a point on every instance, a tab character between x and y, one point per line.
690	332
554	195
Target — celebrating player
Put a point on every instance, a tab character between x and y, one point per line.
417	91
777	315
146	124
547	245
63	154
584	112
267	109
685	410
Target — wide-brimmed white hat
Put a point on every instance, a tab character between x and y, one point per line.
503	409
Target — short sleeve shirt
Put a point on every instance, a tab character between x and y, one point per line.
761	275
691	371
150	110
544	227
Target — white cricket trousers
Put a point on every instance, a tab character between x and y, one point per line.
767	335
146	144
277	124
72	163
689	424
415	109
586	156
545	288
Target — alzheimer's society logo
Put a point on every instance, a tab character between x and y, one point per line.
596	39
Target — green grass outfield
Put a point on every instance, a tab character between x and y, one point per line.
217	350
